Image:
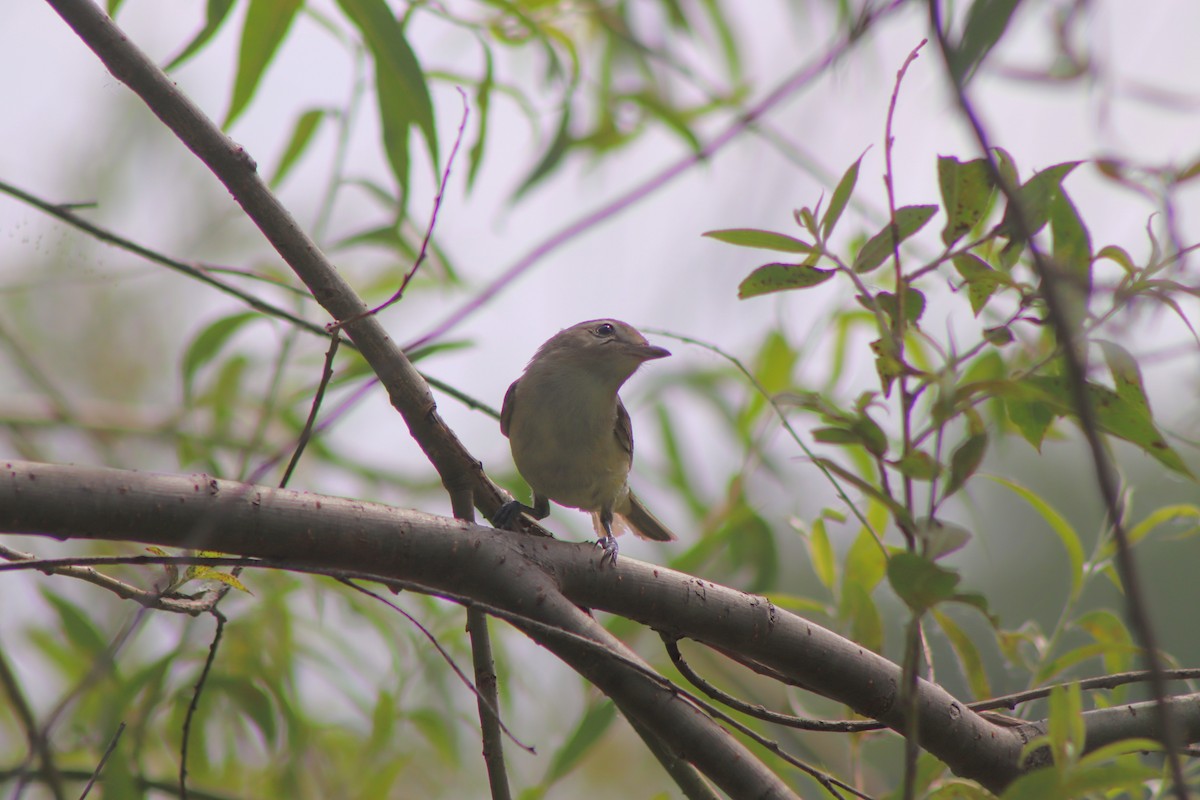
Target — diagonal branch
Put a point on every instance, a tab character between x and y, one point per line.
408	391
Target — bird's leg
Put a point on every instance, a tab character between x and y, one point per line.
608	542
507	514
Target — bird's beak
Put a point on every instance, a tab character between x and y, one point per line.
649	352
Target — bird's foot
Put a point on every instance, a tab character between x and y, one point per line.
507	514
609	545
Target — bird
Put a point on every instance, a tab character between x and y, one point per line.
570	435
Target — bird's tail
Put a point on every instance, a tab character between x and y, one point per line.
645	524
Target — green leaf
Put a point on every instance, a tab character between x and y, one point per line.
208	343
986	23
483	105
1072	258
841	196
964	461
1126	416
866	623
879	247
777	277
919	582
1119	256
967	191
820	553
897	510
939	539
969	658
1108	629
914	305
596	720
1032	418
1000	335
1072	243
76	626
1126	375
1162	516
873	437
765	240
673	118
302	134
1034	198
1065	723
215	14
266	26
982	281
1066	534
399	81
865	563
553	155
919	465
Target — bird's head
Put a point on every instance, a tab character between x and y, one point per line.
607	347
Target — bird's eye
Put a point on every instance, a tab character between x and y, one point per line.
605	329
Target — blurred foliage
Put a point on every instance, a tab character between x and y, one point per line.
319	692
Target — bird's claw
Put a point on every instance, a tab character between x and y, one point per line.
507	514
609	545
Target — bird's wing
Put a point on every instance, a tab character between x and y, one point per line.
506	410
624	429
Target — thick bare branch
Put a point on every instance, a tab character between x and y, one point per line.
536	578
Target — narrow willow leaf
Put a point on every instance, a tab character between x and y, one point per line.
969	658
866	623
553	156
208	343
483	105
778	277
841	196
821	555
266	26
879	247
986	23
302	134
764	240
596	720
1034	198
403	95
1066	534
215	14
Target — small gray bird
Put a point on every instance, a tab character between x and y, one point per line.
570	434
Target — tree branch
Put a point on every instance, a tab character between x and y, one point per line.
527	577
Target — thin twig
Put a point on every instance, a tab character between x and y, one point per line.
437	205
194	703
912	650
462	676
755	710
112	745
314	409
64	213
783	420
39	746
